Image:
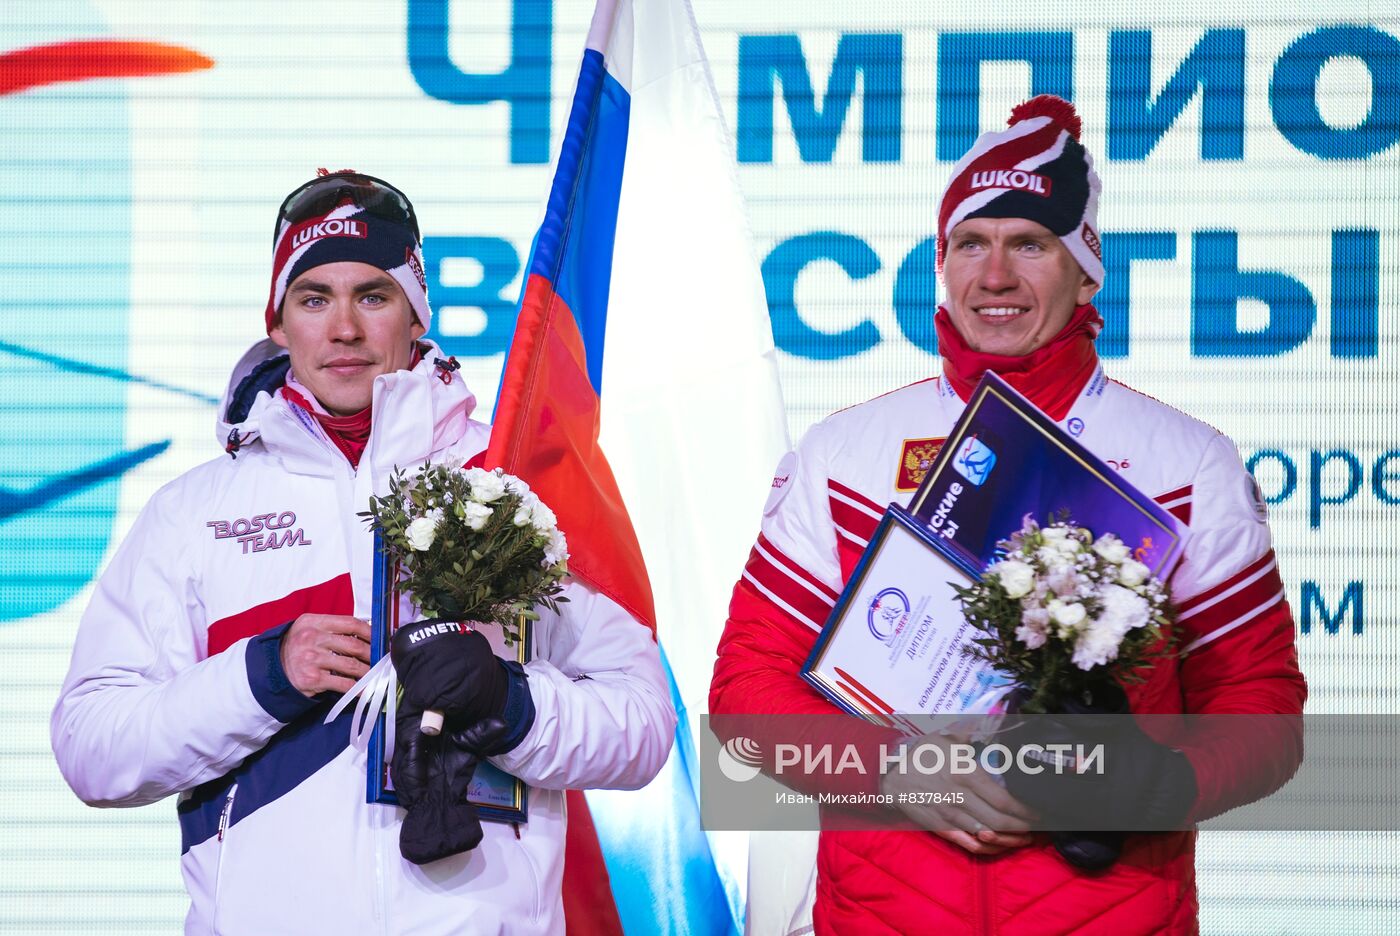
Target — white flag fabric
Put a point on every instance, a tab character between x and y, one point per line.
692	421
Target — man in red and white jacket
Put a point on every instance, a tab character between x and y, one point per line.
234	614
1020	258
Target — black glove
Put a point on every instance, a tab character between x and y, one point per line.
1138	784
449	668
1092	851
431	776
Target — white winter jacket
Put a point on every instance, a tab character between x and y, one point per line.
172	689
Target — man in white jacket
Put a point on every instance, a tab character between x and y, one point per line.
234	614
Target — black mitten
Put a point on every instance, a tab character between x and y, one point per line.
1136	784
414	758
431	775
479	739
448	667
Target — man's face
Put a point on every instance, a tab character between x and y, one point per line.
1012	286
344	324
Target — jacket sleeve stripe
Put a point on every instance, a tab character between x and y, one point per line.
1264	580
1177	503
809	604
1234	602
1235	606
854	515
779	603
776	556
842	494
1249	573
855	521
796	593
1240	621
851	537
1169	498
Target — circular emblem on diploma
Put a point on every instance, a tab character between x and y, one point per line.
886	610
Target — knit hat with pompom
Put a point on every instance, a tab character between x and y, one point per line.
1035	169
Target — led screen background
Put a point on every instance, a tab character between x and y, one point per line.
1251	165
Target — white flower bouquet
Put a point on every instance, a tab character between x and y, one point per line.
1063	613
473	545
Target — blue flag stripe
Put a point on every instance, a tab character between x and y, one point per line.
575	244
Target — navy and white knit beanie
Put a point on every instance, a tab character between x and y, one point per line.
347	232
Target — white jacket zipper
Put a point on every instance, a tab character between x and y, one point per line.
228	811
219	856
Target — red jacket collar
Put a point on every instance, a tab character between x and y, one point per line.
1051	376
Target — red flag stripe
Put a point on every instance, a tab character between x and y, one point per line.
878	717
870	697
884	712
590	908
546	431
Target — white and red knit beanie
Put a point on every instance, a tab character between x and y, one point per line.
348	232
1035	169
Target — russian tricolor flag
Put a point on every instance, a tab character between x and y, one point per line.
643	279
548	411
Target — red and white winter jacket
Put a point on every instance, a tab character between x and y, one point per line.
171	692
1235	625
